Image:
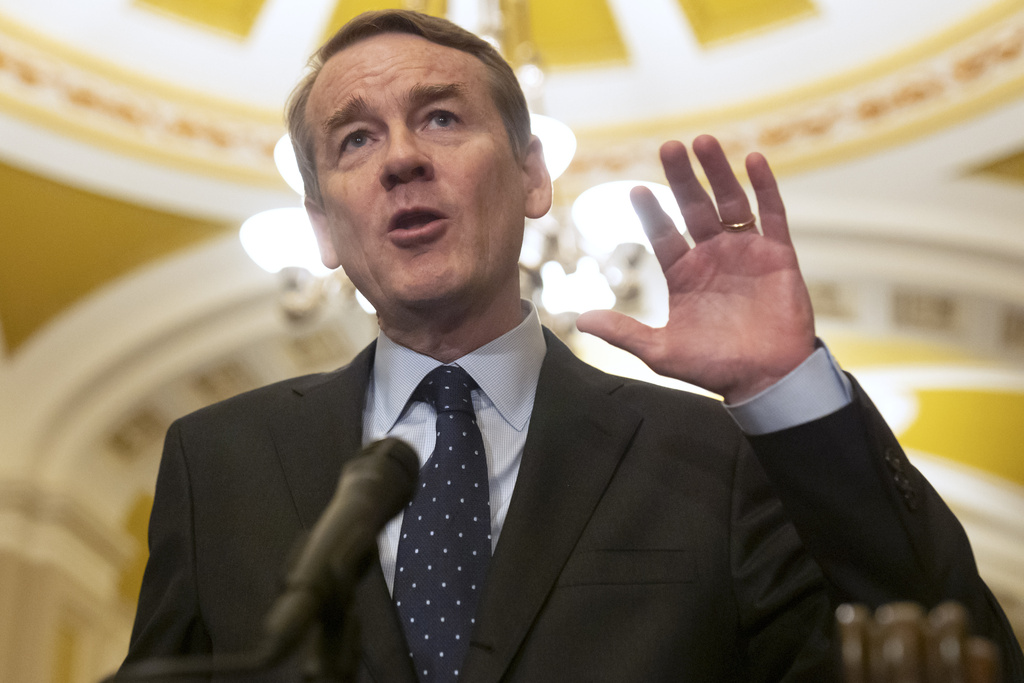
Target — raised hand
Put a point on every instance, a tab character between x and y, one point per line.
740	317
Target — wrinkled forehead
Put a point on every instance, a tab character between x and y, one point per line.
391	65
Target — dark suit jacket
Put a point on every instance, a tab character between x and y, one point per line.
643	541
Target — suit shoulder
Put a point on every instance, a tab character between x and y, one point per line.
562	365
642	389
271	398
656	401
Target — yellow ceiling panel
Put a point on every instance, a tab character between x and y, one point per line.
236	17
572	33
1007	168
347	9
61	243
715	20
983	429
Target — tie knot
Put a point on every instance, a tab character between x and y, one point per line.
447	388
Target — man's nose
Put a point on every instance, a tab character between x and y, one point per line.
405	160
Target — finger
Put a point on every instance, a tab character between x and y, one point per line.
733	204
694	202
668	244
618	330
770	208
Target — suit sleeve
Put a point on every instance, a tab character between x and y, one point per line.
784	610
873	523
168	621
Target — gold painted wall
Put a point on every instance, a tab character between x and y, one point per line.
61	244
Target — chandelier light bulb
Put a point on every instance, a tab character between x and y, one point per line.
605	218
584	290
284	159
282	238
558	140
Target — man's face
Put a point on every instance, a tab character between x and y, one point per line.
423	199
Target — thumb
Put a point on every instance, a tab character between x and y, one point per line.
618	330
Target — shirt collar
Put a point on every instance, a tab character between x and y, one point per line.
506	370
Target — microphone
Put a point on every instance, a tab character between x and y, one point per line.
372	489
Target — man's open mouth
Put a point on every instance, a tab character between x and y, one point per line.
408	220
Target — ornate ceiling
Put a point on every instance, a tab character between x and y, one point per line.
175	105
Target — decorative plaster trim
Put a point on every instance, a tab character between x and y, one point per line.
945	80
841	118
106	107
52	528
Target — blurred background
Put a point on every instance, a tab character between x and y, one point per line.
138	136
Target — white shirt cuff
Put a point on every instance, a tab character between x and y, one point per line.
815	388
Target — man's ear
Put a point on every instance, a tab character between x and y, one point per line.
322	230
537	180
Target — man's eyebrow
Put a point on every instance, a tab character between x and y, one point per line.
352	110
422	95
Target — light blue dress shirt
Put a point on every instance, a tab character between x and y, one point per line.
507	370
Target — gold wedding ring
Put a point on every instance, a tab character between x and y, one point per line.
740	227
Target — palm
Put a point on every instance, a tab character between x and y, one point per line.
739	314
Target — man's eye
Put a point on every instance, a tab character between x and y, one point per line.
442	119
357	139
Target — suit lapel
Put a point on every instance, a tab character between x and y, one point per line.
319	431
322	431
578	433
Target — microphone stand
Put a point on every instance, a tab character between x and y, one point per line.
332	653
318	588
333	648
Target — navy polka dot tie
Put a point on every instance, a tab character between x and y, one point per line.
445	545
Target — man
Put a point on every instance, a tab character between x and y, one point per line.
633	532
